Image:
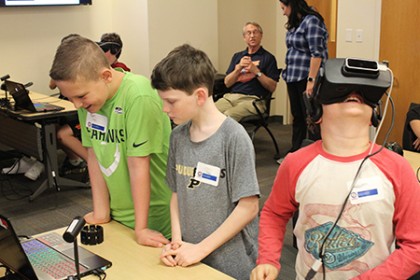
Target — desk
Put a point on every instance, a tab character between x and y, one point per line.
35	135
413	158
133	261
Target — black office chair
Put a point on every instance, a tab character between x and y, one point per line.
219	87
254	122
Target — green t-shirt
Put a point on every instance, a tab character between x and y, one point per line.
131	123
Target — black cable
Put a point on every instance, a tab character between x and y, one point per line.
16	163
23	237
100	273
357	174
312	272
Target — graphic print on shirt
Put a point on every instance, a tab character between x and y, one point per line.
111	135
344	245
98	130
189	171
108	171
247	76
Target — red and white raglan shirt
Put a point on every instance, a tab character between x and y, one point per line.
383	209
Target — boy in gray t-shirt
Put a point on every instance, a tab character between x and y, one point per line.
211	171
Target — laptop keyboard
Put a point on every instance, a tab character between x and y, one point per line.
56	241
48	260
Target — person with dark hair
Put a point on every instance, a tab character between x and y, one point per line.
306	41
211	171
127	139
252	74
411	136
358	202
112	45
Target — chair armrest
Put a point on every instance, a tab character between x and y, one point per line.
261	100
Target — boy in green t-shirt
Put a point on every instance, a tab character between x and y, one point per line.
127	137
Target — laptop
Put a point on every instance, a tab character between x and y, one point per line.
23	101
47	257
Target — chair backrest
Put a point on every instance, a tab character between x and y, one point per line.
219	87
408	134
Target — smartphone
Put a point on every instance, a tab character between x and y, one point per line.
356	67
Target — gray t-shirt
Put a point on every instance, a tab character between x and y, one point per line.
203	207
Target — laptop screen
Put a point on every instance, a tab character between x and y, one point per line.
23	101
35	259
20	95
11	252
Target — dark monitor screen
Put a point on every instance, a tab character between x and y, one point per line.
20	95
31	3
11	252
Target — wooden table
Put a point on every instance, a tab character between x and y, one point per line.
413	158
133	261
34	134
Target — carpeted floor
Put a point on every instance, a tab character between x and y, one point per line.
51	210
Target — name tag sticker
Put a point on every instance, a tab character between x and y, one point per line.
96	122
366	190
207	174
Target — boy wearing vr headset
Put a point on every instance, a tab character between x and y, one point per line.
358	203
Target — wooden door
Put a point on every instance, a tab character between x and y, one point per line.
400	45
328	10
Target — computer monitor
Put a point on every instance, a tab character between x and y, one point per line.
23	3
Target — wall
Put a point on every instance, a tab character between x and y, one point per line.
151	28
364	15
399	31
30	36
175	22
129	18
281	104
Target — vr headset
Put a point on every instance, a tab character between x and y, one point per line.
341	76
115	48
